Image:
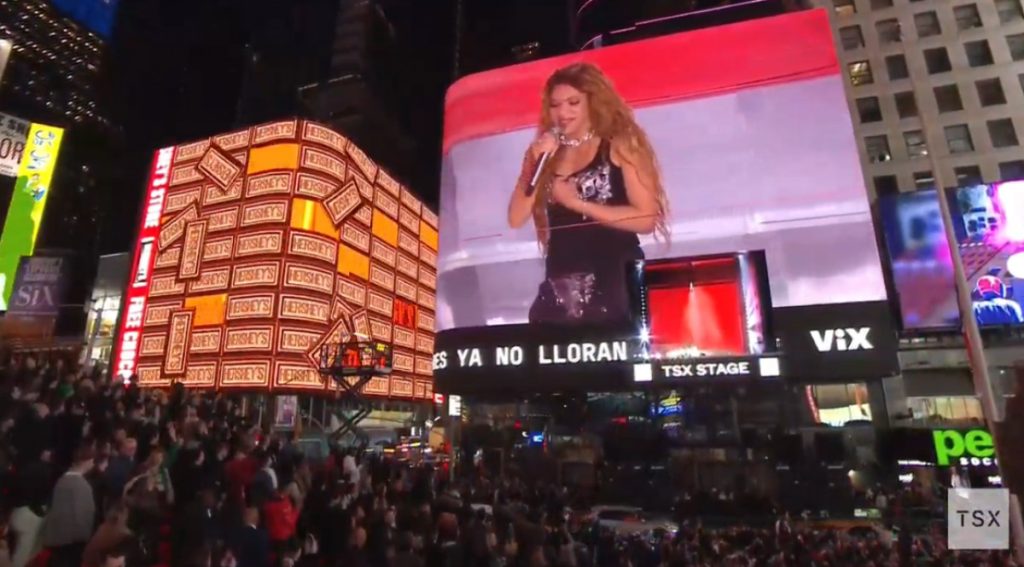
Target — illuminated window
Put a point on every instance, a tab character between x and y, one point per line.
944	409
927	24
947	97
906	104
888	31
868	109
937	60
967	17
978	53
958	138
851	38
990	92
845	7
1002	133
860	73
917	146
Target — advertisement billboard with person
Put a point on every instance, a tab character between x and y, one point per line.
562	176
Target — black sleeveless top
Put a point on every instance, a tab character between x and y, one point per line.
578	244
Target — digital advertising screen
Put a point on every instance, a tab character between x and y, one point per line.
96	15
718	141
988	221
259	247
28	202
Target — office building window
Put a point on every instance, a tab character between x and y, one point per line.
967	17
877	148
906	104
886	185
947	98
937	60
1016	45
927	24
923	180
990	92
851	37
967	175
860	73
916	145
1002	133
978	53
958	138
1009	10
869	110
845	7
888	31
1011	170
896	65
881	4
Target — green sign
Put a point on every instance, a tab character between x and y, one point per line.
25	214
973	447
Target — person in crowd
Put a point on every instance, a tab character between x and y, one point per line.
69	523
121	466
113	533
176	487
251	545
281	519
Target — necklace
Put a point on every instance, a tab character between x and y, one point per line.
575	142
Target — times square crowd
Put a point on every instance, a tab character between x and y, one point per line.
94	473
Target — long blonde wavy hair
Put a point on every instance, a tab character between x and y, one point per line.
610	119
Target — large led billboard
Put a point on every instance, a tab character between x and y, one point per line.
718	141
96	15
259	246
988	221
28	202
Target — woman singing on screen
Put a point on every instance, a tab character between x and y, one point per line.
598	191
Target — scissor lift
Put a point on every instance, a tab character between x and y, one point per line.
351	365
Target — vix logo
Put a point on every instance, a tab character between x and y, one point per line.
842	340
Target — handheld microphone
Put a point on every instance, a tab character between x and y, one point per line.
544	157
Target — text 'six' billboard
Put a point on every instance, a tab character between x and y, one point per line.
259	246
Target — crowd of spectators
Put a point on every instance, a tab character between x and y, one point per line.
95	473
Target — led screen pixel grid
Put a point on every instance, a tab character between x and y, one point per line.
752	131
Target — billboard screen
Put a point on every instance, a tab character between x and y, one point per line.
39	286
28	202
259	246
13	135
988	221
750	127
717	141
96	15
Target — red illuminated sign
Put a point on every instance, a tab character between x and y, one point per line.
404	314
126	358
